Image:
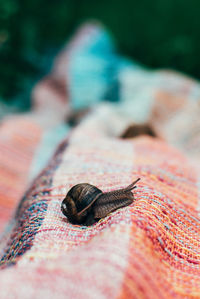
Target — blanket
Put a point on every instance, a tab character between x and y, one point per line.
150	249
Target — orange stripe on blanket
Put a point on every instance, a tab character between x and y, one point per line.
164	253
18	142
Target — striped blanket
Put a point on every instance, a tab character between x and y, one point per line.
150	249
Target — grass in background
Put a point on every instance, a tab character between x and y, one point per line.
157	33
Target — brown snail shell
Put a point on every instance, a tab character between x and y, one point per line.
86	204
135	130
78	202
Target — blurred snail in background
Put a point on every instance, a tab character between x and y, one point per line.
135	130
85	204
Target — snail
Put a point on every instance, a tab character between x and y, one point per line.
86	204
135	130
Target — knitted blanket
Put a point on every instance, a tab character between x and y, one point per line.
150	249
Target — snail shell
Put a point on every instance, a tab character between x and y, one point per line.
78	202
135	130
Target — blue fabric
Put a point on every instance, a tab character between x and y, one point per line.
94	69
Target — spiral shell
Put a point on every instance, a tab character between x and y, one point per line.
77	206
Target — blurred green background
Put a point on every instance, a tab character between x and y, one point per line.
157	33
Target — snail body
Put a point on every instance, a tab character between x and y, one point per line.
85	204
